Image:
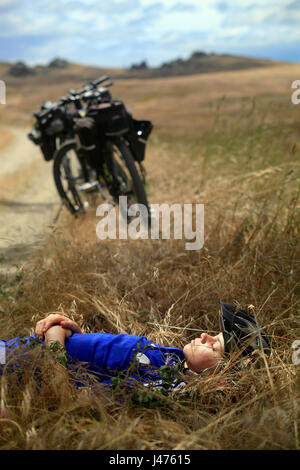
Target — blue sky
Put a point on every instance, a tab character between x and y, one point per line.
122	32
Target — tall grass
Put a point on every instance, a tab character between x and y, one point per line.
244	167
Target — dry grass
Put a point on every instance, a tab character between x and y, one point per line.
6	136
13	183
242	162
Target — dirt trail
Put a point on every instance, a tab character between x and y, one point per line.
28	200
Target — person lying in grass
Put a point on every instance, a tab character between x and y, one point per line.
105	355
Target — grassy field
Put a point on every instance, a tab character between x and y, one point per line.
6	137
232	142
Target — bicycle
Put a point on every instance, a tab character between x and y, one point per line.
101	148
105	157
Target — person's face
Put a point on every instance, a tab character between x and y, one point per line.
204	352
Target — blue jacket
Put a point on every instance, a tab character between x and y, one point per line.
106	355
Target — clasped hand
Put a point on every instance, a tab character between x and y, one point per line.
69	326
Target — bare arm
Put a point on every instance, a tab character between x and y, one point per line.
57	333
61	379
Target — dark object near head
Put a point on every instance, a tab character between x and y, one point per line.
241	332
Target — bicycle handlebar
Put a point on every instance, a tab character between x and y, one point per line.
99	80
80	92
90	86
107	85
69	99
97	93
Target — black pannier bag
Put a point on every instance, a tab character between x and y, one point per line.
49	134
47	143
46	130
88	141
55	127
111	118
137	138
35	136
48	147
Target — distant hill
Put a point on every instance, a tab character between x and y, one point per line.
58	71
198	62
21	69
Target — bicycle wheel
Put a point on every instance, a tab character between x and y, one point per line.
70	176
122	176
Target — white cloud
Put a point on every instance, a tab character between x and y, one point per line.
8	3
156	30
